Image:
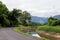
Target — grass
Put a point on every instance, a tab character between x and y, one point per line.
1	26
17	29
49	29
44	38
55	29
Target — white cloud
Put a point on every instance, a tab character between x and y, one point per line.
42	8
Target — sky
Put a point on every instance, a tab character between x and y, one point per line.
40	8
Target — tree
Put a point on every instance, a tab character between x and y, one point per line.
26	17
14	17
4	15
53	21
56	23
3	9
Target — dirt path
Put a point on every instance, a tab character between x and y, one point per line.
9	34
49	35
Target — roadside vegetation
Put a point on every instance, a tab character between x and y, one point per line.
22	29
54	29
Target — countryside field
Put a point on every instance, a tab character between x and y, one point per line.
49	29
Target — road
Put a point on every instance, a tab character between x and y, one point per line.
9	34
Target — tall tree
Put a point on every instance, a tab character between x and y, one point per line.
4	14
27	17
14	16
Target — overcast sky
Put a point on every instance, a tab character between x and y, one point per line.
41	8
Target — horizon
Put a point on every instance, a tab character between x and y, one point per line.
40	8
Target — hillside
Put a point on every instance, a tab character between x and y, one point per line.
39	19
42	19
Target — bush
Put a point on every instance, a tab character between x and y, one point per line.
55	29
55	23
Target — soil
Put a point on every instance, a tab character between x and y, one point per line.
49	35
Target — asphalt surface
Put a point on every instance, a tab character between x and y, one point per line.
9	34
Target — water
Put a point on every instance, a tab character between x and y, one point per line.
35	34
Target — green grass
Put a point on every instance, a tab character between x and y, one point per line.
1	26
49	29
44	38
17	29
55	29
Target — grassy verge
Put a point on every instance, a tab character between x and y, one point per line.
44	38
54	29
50	29
18	29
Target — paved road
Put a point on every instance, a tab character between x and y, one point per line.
9	34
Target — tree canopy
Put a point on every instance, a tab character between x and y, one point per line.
13	18
53	21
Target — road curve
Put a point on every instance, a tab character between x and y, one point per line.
9	34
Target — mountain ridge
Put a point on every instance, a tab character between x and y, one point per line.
42	19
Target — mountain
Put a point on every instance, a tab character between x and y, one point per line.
42	19
57	16
39	19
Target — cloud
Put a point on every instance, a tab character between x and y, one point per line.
41	8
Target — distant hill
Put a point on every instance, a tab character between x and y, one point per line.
39	19
42	19
57	16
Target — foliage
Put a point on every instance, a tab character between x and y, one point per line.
53	21
14	17
4	15
56	22
18	29
55	29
